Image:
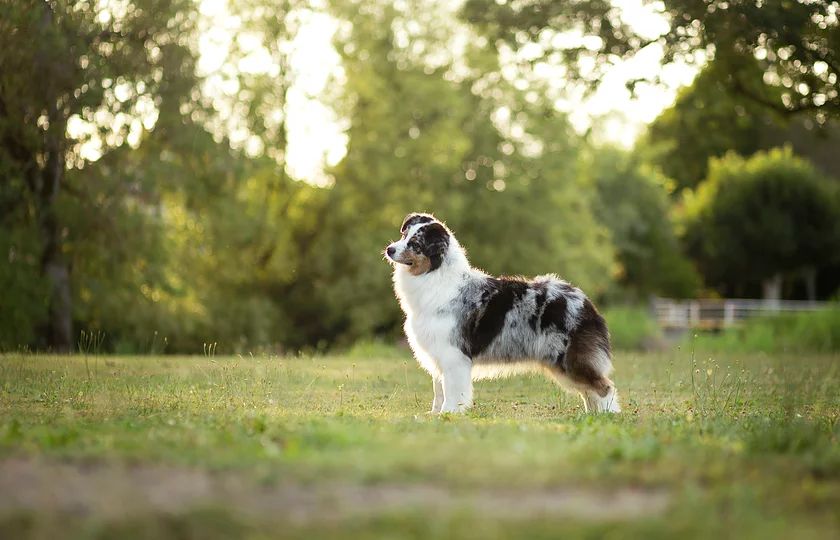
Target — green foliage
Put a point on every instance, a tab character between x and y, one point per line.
197	261
530	21
753	219
64	63
812	332
184	237
707	121
422	140
633	203
797	44
632	328
187	239
23	305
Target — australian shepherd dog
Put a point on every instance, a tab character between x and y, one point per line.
465	325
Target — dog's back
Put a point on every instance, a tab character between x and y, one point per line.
512	325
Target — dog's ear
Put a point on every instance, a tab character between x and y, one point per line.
414	218
436	239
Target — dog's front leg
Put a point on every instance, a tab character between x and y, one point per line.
437	403
456	369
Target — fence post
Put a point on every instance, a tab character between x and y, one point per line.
728	313
694	314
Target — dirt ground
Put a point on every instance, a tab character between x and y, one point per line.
110	491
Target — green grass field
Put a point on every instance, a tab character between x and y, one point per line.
736	446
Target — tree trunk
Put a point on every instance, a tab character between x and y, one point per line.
772	291
45	181
811	284
53	264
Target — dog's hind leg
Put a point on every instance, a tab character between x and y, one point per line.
588	367
589	375
598	393
601	399
587	364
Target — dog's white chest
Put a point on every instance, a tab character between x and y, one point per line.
428	336
430	323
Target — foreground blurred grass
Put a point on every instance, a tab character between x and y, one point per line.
743	445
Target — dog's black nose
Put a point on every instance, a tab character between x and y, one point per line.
391	250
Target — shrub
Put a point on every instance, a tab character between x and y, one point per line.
756	220
632	328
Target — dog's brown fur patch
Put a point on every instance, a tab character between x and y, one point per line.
420	264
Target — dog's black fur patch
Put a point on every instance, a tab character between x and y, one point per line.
432	241
413	219
554	315
487	318
539	302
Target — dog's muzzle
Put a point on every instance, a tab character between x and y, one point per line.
393	254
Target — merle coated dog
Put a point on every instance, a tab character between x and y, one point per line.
464	325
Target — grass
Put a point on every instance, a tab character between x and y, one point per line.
632	327
724	445
810	332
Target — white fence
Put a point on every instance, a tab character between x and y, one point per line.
723	313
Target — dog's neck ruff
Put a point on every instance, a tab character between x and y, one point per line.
431	291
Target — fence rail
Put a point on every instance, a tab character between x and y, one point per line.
723	313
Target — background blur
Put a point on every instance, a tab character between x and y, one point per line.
179	173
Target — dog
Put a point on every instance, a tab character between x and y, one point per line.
465	325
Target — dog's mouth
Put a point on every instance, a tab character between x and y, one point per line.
397	261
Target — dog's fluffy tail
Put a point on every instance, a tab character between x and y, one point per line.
588	361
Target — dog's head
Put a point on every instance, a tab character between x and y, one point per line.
423	245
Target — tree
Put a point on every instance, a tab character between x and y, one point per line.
797	44
633	202
63	62
761	220
707	121
202	259
422	137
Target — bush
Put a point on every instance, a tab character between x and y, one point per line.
759	219
632	328
632	201
814	332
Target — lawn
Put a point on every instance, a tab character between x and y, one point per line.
731	446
